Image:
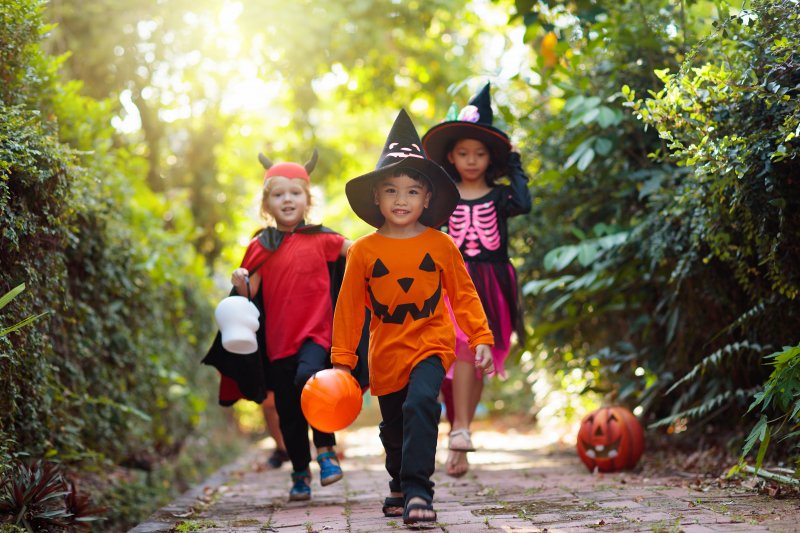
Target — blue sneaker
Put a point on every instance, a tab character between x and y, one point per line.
329	472
300	490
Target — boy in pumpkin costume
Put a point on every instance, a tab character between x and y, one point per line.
402	273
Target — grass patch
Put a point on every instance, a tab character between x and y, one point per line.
193	525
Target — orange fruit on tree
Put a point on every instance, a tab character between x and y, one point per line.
547	49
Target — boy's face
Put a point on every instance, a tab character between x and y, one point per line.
286	202
401	200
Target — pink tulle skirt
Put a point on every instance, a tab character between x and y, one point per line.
496	284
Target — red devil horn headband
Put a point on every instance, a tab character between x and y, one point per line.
289	170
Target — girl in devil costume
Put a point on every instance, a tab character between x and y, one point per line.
288	268
476	155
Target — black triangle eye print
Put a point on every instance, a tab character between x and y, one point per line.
379	269
427	264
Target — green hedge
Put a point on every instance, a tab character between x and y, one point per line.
666	210
736	125
110	377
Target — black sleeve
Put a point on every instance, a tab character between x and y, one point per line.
519	198
361	371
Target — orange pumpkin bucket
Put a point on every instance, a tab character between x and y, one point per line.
331	400
610	439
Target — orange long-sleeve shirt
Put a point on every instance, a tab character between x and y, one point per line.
403	283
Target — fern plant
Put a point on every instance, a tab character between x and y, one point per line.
781	395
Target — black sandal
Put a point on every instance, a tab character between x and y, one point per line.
409	520
393	506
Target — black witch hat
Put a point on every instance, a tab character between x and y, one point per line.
403	149
472	122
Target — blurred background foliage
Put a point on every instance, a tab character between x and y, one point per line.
659	264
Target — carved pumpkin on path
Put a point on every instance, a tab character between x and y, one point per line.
610	439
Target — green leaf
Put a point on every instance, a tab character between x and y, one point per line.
578	153
558	258
795	410
584	281
558	283
585	160
789	353
613	240
22	323
573	103
762	450
587	253
10	295
735	469
662	74
756	434
534	286
590	115
650	186
603	146
560	301
606	117
591	102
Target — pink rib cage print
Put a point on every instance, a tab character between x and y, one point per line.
477	226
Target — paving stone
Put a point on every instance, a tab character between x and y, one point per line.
513	487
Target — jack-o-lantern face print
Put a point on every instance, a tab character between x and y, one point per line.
394	297
402	152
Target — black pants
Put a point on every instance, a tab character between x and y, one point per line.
410	428
288	383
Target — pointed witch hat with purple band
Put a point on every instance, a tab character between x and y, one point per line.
403	149
473	122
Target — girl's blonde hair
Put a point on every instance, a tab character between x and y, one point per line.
265	192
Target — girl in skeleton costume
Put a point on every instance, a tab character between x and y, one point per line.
476	155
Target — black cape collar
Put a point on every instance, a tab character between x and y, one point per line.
271	237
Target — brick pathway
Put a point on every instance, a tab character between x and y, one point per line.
517	483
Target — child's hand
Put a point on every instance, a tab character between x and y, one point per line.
343	368
483	358
239	276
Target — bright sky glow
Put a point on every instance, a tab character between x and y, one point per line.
130	121
250	94
233	79
238	87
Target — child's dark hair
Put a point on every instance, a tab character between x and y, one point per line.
491	175
414	174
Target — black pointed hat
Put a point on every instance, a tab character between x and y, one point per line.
472	122
403	149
